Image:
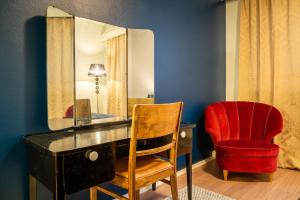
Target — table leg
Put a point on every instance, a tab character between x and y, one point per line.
32	187
153	186
58	195
59	192
188	161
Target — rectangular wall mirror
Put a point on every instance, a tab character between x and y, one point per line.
96	72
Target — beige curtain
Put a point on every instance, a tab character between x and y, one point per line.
60	73
269	66
117	75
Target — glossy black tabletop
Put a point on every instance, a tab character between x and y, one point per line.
75	139
70	140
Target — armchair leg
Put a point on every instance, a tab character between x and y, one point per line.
93	193
225	174
270	176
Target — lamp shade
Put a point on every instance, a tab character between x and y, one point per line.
97	70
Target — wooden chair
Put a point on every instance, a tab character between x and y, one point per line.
143	168
83	109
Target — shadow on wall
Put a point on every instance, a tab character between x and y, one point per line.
205	144
35	75
14	171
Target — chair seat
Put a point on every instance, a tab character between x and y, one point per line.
247	148
145	166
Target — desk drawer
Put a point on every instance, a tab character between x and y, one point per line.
185	141
80	172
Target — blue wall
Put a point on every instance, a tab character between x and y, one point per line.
189	66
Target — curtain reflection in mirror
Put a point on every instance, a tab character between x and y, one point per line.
116	75
60	61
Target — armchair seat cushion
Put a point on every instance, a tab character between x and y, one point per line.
247	148
247	156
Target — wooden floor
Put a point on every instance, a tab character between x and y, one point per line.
285	184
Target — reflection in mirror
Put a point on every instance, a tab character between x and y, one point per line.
100	71
60	68
96	72
140	67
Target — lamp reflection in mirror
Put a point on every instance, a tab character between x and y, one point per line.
97	70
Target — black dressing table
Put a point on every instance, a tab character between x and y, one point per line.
72	160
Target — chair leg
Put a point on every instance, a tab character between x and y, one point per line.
173	181
131	194
270	175
225	174
93	193
137	195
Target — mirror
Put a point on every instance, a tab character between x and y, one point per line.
140	67
96	72
60	68
100	71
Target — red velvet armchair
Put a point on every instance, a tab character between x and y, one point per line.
242	133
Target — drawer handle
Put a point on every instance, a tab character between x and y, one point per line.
91	155
183	134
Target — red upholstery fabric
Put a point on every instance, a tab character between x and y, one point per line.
69	112
242	134
247	155
247	148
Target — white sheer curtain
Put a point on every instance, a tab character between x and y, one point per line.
60	77
269	66
117	75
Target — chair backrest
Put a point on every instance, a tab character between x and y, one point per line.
241	120
83	109
132	101
154	121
